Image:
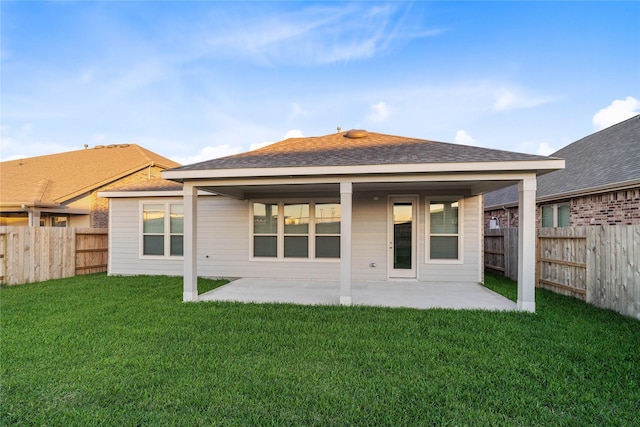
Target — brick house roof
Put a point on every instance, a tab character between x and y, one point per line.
57	178
340	150
603	160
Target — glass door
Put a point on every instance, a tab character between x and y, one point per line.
402	237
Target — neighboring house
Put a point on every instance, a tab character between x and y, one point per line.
600	184
60	190
346	206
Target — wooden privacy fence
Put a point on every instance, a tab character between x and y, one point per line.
501	251
598	264
34	254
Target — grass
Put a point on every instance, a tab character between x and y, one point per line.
97	350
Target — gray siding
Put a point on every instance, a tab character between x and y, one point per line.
224	243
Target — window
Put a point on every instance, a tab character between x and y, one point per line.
296	230
162	229
556	215
265	230
443	230
59	221
327	221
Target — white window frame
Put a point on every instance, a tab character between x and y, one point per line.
280	235
555	207
166	233
460	234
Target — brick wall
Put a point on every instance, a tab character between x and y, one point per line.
613	208
100	206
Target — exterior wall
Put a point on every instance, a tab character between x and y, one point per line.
468	269
224	243
620	207
613	208
100	206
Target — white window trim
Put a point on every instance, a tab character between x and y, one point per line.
167	229
427	232
280	232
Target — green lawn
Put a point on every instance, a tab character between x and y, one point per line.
97	350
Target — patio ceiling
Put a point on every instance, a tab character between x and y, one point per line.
248	191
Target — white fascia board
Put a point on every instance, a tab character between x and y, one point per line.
528	165
440	177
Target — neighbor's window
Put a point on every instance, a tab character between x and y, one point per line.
443	230
556	215
296	230
162	229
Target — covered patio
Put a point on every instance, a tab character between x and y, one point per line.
399	293
395	198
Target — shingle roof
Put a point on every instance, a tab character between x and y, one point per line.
373	149
606	158
57	177
156	184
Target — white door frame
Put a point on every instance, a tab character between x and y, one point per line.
406	273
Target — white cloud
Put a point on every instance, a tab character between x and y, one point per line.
462	137
379	112
317	34
293	133
208	153
619	110
540	148
515	99
545	149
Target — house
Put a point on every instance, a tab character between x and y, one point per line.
599	186
60	190
345	206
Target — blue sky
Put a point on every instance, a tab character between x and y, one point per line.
197	80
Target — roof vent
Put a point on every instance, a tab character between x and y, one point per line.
356	133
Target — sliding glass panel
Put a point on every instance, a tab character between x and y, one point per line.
265	218
402	235
296	246
153	219
327	246
265	246
444	247
153	245
328	218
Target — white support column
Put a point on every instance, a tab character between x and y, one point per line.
346	201
34	217
190	200
527	244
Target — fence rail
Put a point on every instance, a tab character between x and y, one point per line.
34	254
598	264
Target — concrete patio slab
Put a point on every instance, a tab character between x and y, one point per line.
409	293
